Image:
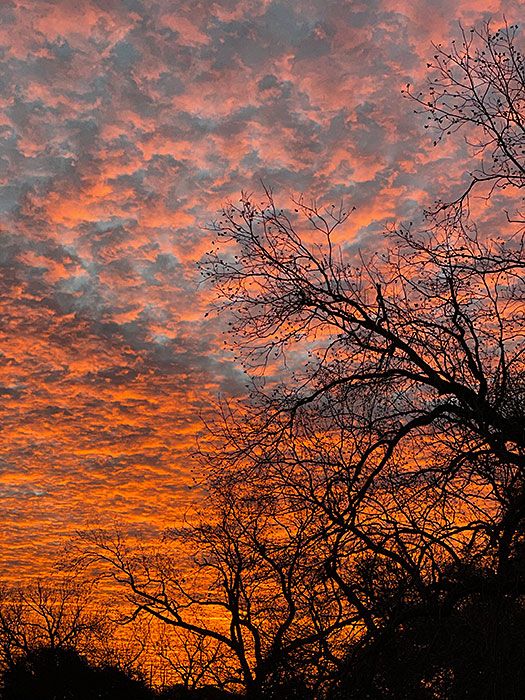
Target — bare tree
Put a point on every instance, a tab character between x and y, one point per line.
243	584
478	86
58	614
400	424
374	476
190	661
415	363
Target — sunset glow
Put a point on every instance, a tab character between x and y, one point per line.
125	127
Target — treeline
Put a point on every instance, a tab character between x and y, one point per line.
64	674
58	643
364	530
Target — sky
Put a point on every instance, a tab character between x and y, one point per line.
125	125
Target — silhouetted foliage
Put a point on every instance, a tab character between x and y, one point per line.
61	625
474	649
62	674
206	692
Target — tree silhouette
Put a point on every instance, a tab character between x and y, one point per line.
402	436
57	639
244	583
58	614
473	650
366	510
399	430
479	85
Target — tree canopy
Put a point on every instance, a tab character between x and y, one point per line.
363	535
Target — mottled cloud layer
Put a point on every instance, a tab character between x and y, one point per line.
124	126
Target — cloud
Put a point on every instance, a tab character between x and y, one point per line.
125	126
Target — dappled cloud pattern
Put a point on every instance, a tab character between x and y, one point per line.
125	126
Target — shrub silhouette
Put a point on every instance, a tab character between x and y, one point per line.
62	674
